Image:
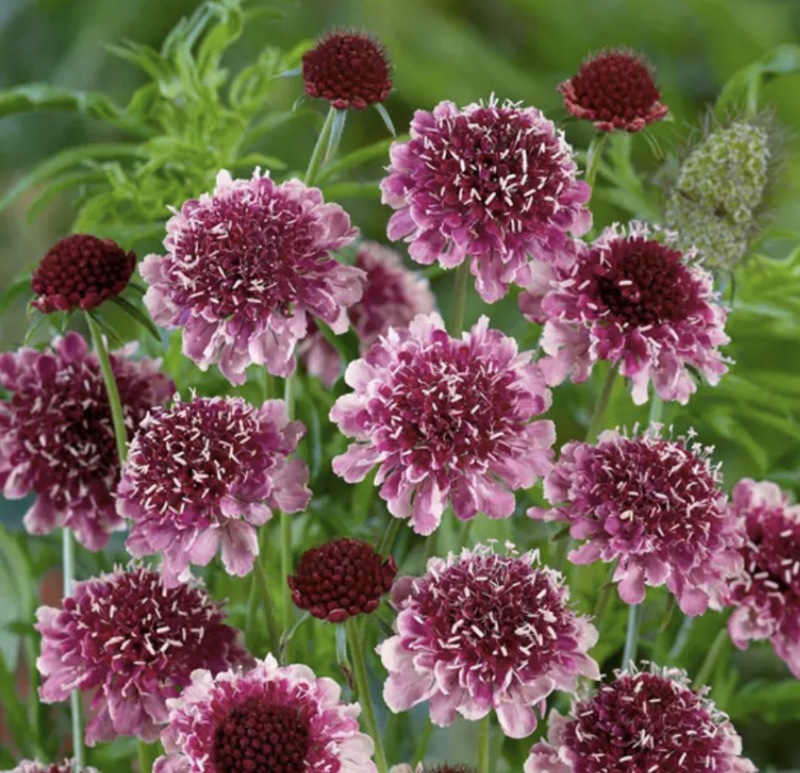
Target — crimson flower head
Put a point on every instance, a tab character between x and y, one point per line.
766	595
134	643
81	272
654	504
633	300
648	721
34	766
245	270
57	434
206	472
270	719
490	183
341	579
614	90
481	632
445	420
348	69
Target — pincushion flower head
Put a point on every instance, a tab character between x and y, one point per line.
270	719
246	268
57	435
445	420
766	595
637	302
481	632
341	579
615	90
642	721
134	643
392	297
654	505
81	272
206	472
492	183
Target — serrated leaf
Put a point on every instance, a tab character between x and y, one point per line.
44	96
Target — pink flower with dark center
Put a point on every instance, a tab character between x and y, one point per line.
392	297
492	183
34	766
643	721
481	632
81	272
634	301
445	420
766	596
348	69
341	579
655	506
246	268
134	643
614	90
208	471
57	435
270	719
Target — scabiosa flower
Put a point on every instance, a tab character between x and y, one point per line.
766	596
34	766
208	471
614	90
136	642
445	419
340	579
81	272
244	270
57	435
270	719
348	69
392	297
632	300
493	182
653	504
481	631
642	721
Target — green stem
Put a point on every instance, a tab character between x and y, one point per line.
484	730
593	156
390	535
596	425
656	410
260	577
318	155
252	602
460	299
465	531
632	639
681	638
424	741
286	570
75	695
605	595
362	683
120	433
145	757
704	672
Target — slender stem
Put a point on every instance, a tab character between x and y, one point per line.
431	541
318	155
465	531
704	672
269	612
286	570
252	603
593	156
424	741
143	753
120	433
656	410
269	386
632	639
681	638
605	595
75	695
362	683
460	299
484	730
390	535
596	425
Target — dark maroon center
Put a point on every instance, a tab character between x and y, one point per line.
644	723
262	737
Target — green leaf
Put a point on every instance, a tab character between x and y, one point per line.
13	709
347	344
358	157
16	289
366	190
772	701
252	160
59	185
135	313
43	96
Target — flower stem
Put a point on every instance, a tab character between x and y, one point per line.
75	695
389	536
362	683
681	638
596	425
269	612
424	741
656	410
704	672
484	730
318	155
286	528
145	760
460	299
632	639
593	156
120	433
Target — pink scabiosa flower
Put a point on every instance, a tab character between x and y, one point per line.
614	90
642	721
493	183
135	642
270	719
34	766
654	505
57	435
632	300
445	419
207	471
244	270
481	631
766	596
392	297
